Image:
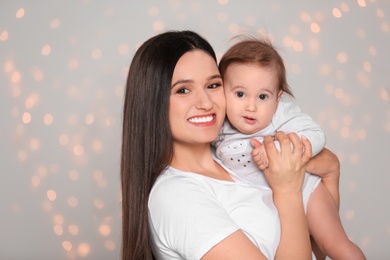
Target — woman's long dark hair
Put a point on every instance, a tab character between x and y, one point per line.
147	146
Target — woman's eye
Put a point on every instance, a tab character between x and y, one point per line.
263	97
240	94
182	91
215	85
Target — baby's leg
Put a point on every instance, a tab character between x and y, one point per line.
326	228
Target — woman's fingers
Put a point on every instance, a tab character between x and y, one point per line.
307	153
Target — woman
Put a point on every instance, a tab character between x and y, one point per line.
175	193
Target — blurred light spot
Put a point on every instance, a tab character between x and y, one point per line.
222	16
51	195
387	126
234	28
55	23
9	66
83	249
4	36
344	132
314	45
367	66
305	17
16	91
73	40
47	206
98	175
385	27
250	20
20	13
89	119
350	214
99	204
15	77
73	229
22	155
297	46
288	41
380	13
73	175
34	144
26	118
372	50
294	29
365	241
361	34
344	7
337	13
325	70
31	101
158	26
339	93
123	49
384	93
223	2
67	245
347	120
354	158
97	146
15	207
342	57
296	68
110	121
47	119
72	201
20	129
329	89
361	134
58	219
72	120
362	3
46	50
119	91
58	230
104	230
35	181
319	17
363	79
96	54
315	27
73	64
78	149
63	139
352	186
109	245
153	11
38	75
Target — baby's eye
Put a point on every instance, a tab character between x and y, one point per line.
263	97
215	85
182	91
240	94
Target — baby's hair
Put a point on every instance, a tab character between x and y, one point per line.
256	50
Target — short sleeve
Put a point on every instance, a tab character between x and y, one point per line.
186	218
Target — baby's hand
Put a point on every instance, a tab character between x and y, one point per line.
259	154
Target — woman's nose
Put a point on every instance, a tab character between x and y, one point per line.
203	101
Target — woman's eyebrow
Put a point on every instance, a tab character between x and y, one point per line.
183	81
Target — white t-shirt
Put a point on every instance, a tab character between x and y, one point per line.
190	213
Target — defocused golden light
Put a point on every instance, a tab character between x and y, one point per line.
384	93
153	11
288	41
89	118
362	3
305	17
105	230
222	17
367	66
337	13
73	175
342	57
362	134
387	126
58	219
123	49
96	54
47	119
58	230
385	27
361	34
47	206
73	230
110	245
98	175
22	155
31	101
315	27
26	118
67	245
158	26
83	249
372	50
344	7
223	2
55	23
4	36
234	28
99	204
63	139
38	75
250	20
314	45
335	124
15	77
72	201
20	13
354	158
297	46
119	91
296	68
42	171
16	91
73	64
380	13
34	144
9	66
97	146
35	181
51	195
347	120
46	50
20	129
294	29
352	186
78	149
350	214
344	132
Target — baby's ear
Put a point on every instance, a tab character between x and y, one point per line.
280	94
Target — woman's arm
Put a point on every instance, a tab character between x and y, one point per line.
327	165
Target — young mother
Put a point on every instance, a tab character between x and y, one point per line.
178	200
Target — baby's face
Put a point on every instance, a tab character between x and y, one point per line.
252	96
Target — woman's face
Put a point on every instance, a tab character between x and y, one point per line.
197	101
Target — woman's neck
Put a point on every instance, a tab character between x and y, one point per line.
197	159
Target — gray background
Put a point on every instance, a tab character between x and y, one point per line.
62	73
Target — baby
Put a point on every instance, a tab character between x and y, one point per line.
256	88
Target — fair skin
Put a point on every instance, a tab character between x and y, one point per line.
196	113
252	97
